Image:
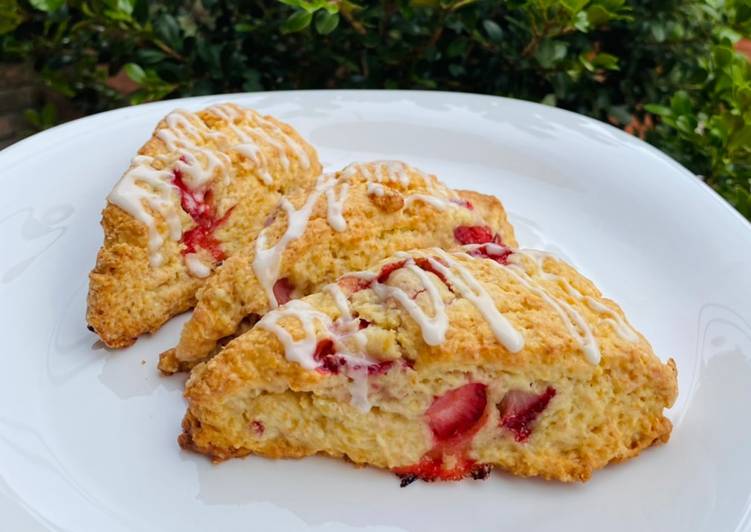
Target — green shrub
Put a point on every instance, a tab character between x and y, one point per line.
666	70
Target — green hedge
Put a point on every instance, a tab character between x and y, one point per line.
666	70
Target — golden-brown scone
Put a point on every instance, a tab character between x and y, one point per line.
197	191
440	365
362	214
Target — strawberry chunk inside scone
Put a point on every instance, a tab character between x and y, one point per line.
457	412
439	366
520	408
199	207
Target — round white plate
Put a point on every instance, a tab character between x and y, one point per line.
87	436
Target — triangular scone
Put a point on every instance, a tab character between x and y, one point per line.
440	365
199	189
351	220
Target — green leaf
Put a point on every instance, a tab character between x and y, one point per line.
244	27
550	52
136	73
597	16
326	22
658	109
605	61
494	31
41	119
168	29
297	21
10	16
549	99
574	6
658	32
581	21
149	56
457	48
681	103
741	138
47	6
123	6
456	70
311	6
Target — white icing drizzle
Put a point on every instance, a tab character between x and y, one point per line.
438	203
196	266
299	151
344	328
619	325
340	300
576	326
472	290
433	328
198	165
385	171
130	196
358	387
302	350
267	260
182	131
376	189
247	146
335	207
231	112
197	175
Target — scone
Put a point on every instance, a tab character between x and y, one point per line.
197	191
362	214
440	365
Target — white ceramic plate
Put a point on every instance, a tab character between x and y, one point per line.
87	436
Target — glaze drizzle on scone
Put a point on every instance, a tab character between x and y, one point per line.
198	191
343	224
195	169
433	320
355	370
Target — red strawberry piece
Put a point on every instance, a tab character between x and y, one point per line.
257	427
473	234
424	264
380	368
350	284
432	467
325	354
283	289
457	411
520	408
193	203
388	269
499	253
199	208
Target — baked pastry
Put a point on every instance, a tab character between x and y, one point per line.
440	365
362	214
197	191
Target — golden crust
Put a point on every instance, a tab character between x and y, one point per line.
600	413
381	220
127	295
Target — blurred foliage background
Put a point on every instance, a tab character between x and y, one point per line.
672	72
